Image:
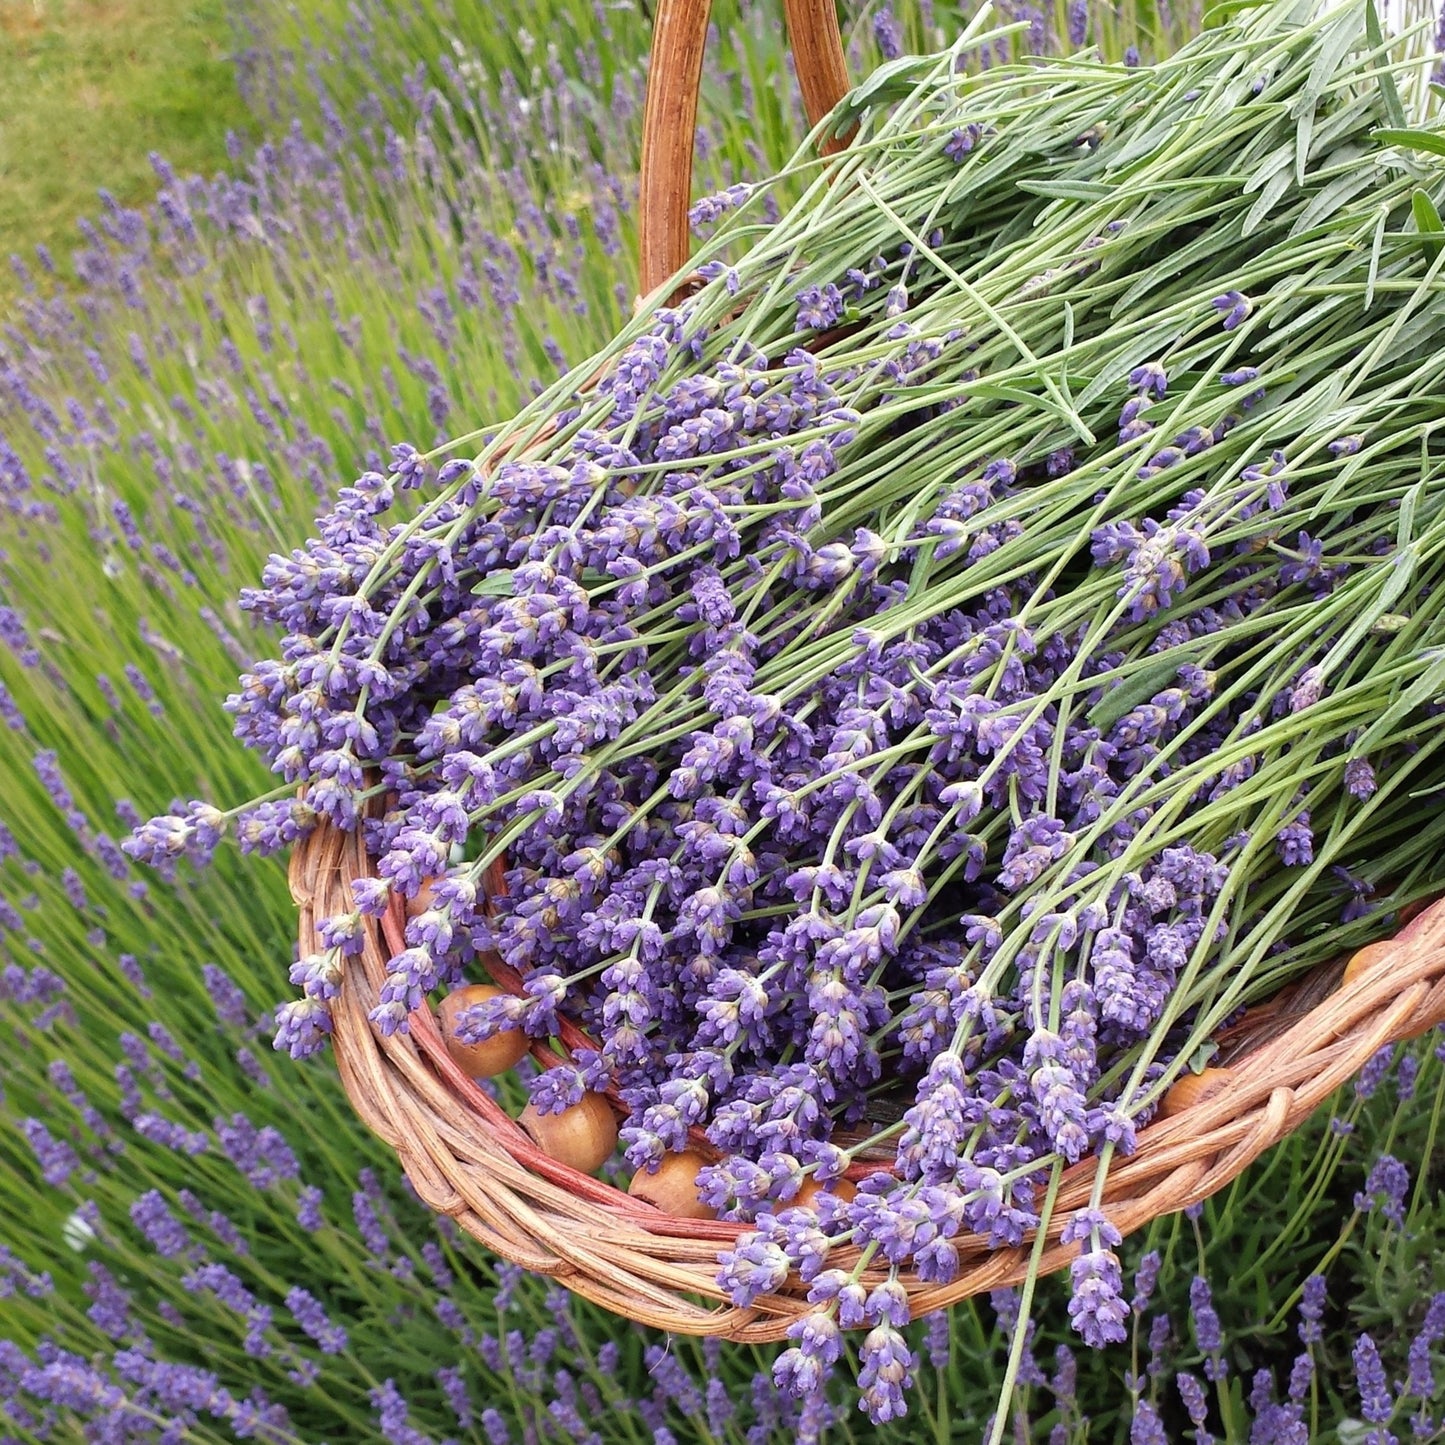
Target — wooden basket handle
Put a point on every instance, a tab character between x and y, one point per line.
669	121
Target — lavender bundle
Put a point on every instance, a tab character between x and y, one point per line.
926	682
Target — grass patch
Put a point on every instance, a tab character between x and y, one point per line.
94	87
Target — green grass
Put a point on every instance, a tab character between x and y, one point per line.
92	87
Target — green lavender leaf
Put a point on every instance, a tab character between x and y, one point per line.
499	583
1389	93
1415	140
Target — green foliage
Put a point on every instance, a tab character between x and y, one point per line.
93	87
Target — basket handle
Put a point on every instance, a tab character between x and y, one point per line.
670	118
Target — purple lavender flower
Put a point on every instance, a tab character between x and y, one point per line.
311	1317
1097	1306
308	1209
1385	1189
1376	1402
1360	778
1376	1070
302	1027
1061	1103
1195	1402
753	1267
1234	307
888	33
886	1371
110	1305
151	1215
803	1369
56	1158
1149	379
1146	1428
820	307
1206	1328
961	142
1145	1278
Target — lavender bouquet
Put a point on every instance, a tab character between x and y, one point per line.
926	682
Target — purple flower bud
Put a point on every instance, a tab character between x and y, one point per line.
1359	778
311	1317
308	1209
959	144
302	1027
1377	1067
1206	1327
888	33
1195	1402
1386	1187
56	1158
1145	1278
1234	306
1376	1402
1097	1307
1149	379
753	1267
1146	1428
886	1372
1307	690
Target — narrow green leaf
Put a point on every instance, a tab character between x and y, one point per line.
1388	93
1002	391
1069	190
1334	196
1405	533
1269	197
1201	1056
1426	688
1216	15
1414	140
1302	136
1148	680
1376	245
1343	36
1276	161
1113	375
1427	218
496	584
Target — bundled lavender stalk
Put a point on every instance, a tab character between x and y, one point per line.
926	682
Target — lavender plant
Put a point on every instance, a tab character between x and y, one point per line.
327	60
847	701
155	429
190	1228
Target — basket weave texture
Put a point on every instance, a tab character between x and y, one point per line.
466	1158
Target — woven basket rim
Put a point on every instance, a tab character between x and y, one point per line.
466	1158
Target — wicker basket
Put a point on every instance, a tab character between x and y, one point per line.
466	1158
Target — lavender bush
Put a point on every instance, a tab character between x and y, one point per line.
201	1244
333	58
856	706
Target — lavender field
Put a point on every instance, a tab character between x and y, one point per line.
198	1240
